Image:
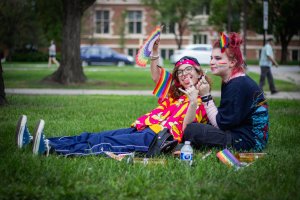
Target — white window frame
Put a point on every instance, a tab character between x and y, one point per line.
135	21
101	21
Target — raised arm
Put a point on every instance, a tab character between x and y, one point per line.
192	94
155	70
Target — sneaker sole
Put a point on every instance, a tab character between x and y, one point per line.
20	130
37	136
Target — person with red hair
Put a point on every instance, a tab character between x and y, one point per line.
241	121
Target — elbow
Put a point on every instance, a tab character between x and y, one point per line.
155	79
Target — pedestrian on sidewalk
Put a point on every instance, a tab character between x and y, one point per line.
266	61
52	54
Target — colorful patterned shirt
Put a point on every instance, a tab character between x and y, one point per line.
170	114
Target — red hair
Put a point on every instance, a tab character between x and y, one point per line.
233	52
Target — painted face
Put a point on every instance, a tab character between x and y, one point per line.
187	73
219	63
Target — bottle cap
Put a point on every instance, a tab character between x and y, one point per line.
187	142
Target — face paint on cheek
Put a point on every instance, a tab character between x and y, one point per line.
221	64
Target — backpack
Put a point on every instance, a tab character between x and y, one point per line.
162	143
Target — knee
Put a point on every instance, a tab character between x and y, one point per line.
191	131
188	132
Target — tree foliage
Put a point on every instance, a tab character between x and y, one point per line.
175	12
18	25
50	15
283	18
225	15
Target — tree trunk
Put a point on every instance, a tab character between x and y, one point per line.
3	100
284	40
70	70
284	53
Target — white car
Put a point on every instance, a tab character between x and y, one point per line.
201	52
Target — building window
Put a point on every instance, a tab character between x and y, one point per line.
201	10
102	21
163	53
132	52
295	55
199	39
135	22
168	28
166	53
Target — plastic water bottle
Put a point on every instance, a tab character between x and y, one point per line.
186	153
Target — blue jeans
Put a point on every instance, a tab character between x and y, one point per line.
117	141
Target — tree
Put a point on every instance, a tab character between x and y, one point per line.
284	15
174	12
3	100
70	70
49	16
283	19
225	15
19	29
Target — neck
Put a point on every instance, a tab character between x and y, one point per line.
232	76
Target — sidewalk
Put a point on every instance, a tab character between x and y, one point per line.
280	95
286	73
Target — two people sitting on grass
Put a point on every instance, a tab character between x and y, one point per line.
241	121
179	108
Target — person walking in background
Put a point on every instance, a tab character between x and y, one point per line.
266	61
52	54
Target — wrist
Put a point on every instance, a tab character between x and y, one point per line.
193	103
206	98
154	57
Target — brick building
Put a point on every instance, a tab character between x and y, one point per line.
124	24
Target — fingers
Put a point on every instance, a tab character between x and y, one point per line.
157	42
191	82
189	91
185	92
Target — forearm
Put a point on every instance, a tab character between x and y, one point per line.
211	111
190	114
155	70
272	60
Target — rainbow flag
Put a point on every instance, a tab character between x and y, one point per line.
145	50
224	41
228	159
163	85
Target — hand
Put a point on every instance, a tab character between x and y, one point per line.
192	92
203	87
155	47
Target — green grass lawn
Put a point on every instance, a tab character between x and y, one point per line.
126	78
24	176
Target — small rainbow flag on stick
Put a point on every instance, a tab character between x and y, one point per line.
163	85
145	50
224	41
228	159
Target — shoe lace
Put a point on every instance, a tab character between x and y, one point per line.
48	147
